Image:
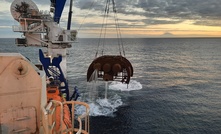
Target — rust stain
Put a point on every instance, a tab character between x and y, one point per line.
111	68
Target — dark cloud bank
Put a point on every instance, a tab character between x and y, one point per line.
203	12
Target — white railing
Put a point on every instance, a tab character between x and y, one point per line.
17	28
49	119
27	25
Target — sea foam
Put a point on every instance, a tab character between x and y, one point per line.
133	85
103	107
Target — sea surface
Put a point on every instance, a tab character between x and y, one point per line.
176	87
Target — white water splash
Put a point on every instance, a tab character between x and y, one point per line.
133	85
102	107
109	104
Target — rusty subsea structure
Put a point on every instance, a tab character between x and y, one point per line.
111	68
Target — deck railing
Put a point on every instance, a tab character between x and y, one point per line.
49	120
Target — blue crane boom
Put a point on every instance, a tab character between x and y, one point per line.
59	6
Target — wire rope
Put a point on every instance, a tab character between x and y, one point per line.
119	36
103	31
86	16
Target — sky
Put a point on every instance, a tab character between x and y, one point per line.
136	18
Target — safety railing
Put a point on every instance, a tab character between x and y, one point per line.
49	120
25	25
17	28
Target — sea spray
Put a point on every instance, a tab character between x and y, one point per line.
105	104
92	87
133	85
102	107
106	88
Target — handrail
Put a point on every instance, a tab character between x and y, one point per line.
85	116
80	122
80	117
46	44
62	113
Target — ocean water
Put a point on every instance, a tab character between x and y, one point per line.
176	87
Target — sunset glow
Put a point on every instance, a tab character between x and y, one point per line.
138	19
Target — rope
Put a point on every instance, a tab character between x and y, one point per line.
117	34
86	16
101	31
104	27
120	41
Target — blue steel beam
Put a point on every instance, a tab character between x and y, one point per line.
59	6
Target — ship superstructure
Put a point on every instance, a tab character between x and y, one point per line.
35	99
41	28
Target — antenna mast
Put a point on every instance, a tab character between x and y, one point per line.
70	15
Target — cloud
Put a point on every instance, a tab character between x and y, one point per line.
88	4
133	13
159	21
207	22
173	9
